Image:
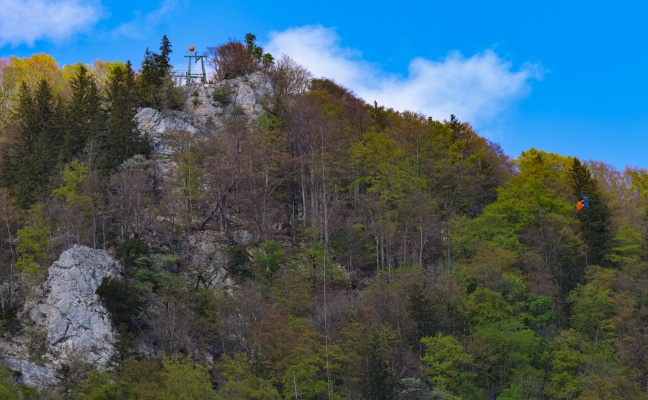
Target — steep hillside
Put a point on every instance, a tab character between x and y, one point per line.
271	235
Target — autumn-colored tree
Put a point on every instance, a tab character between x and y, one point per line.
234	58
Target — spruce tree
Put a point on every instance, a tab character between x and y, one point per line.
85	119
30	163
595	221
122	139
154	80
162	65
148	72
379	381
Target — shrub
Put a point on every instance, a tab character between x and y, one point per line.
122	300
223	95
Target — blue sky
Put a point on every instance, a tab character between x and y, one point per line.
565	77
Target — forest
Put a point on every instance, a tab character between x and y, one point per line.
392	256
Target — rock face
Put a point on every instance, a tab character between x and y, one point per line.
206	256
205	109
160	125
74	323
14	355
75	318
208	102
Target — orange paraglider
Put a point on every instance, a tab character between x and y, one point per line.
191	48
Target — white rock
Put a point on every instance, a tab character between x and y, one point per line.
203	115
76	323
77	318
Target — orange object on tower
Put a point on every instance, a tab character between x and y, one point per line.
191	48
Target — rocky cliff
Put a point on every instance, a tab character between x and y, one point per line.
205	109
65	319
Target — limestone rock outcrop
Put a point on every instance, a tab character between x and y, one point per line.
66	309
74	316
161	125
205	108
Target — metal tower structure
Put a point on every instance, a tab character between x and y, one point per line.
201	76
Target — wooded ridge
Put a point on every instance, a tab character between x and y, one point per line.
278	237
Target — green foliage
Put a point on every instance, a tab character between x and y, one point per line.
595	220
73	178
33	242
29	164
627	249
187	175
156	88
134	254
175	377
123	301
237	380
263	60
37	345
268	257
184	379
502	222
486	307
534	311
8	390
312	366
122	139
85	119
99	386
293	291
387	169
444	361
222	95
237	261
317	262
566	366
141	379
509	353
592	310
379	381
489	267
422	311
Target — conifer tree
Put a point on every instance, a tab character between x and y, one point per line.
148	73
85	119
29	164
162	65
122	139
156	67
595	221
156	87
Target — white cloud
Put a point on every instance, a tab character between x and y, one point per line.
140	26
26	21
477	88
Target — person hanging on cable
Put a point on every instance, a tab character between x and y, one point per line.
583	204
